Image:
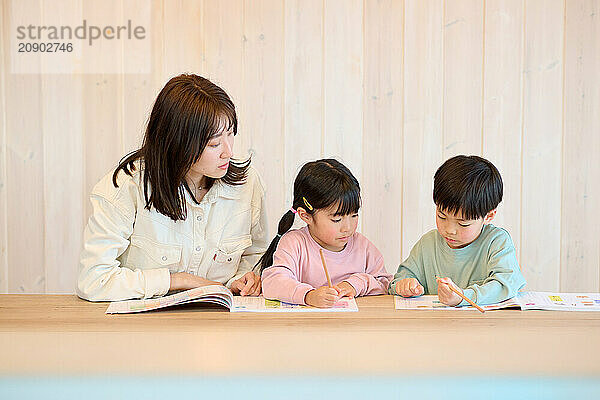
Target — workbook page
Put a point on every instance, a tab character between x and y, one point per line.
560	301
432	302
260	304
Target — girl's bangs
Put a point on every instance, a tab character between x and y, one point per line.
348	202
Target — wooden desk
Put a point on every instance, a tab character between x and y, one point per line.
63	334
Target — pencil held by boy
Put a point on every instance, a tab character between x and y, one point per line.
466	252
327	198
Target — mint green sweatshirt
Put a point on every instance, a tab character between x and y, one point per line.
487	269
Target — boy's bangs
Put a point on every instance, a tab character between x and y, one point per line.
466	205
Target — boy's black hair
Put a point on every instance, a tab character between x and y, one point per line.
319	184
469	184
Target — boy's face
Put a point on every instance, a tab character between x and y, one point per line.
458	231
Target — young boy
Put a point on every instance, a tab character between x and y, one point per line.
466	251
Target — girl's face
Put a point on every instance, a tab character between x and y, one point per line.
214	160
332	232
457	231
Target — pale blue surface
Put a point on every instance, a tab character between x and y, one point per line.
290	388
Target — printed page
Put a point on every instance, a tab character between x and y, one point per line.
260	304
560	301
210	294
432	302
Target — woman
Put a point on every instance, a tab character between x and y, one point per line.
179	212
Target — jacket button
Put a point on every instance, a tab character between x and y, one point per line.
164	258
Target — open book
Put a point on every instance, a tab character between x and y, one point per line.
220	295
524	301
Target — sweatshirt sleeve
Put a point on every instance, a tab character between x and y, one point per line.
281	281
106	237
504	278
412	267
375	279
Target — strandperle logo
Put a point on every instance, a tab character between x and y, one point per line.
90	33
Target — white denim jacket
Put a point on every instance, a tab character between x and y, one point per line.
129	252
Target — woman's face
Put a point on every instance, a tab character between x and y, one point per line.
214	160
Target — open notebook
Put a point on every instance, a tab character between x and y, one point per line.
220	295
524	301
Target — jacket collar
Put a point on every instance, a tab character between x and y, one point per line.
218	189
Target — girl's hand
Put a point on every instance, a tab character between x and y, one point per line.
185	281
247	285
446	295
345	289
409	287
323	297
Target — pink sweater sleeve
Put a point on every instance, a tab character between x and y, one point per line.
375	279
281	280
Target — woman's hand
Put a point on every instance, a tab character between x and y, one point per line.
185	281
323	297
247	285
345	289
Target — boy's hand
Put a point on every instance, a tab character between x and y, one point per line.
345	289
409	287
323	297
446	295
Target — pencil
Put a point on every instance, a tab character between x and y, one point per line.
465	298
325	268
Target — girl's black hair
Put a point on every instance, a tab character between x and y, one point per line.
469	184
322	183
187	113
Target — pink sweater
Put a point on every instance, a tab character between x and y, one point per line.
297	267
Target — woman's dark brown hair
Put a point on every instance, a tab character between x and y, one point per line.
188	111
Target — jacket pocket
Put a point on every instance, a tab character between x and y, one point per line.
147	253
226	258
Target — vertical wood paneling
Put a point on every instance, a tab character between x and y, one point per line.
263	88
580	255
382	141
392	88
183	38
423	92
62	107
141	88
502	105
542	135
303	99
3	173
222	63
103	111
24	166
463	55
343	83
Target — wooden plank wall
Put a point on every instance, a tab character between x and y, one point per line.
392	88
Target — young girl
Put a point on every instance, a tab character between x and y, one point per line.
327	198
